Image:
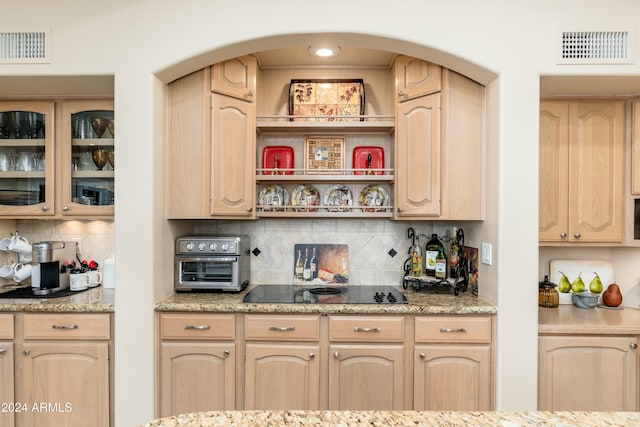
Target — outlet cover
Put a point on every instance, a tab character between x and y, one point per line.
486	254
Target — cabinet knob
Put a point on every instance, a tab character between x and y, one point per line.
336	355
2	351
249	94
312	355
400	210
249	209
26	351
577	235
423	356
633	346
563	235
226	353
65	208
401	94
45	208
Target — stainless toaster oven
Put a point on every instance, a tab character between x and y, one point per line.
212	263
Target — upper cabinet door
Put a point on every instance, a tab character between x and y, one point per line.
417	189
554	171
415	77
635	147
233	157
596	171
236	77
26	158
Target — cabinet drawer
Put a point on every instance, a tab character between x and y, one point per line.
282	328
453	329
6	326
67	326
185	326
366	328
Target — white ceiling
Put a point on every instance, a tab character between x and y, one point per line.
294	57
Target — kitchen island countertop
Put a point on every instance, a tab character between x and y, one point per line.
96	300
419	303
398	418
568	319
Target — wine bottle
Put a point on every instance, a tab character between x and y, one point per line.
299	266
432	250
416	258
314	265
306	270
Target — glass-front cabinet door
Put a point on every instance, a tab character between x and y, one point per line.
26	158
87	160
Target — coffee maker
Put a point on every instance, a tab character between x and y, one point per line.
52	262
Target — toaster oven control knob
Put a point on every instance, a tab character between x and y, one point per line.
202	246
213	247
190	246
224	247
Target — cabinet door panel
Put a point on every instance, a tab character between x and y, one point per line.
282	377
596	161
554	171
635	148
72	379
415	77
418	153
236	77
196	377
6	382
366	377
452	378
233	157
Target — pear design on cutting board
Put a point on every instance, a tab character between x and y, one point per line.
578	284
564	285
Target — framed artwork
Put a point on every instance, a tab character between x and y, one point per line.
324	155
334	100
326	264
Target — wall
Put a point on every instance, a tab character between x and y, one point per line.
145	44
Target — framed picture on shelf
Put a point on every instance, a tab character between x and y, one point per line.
334	100
324	155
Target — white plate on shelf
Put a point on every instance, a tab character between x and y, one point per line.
373	196
303	196
338	198
272	196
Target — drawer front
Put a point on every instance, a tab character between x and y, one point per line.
282	328
366	328
453	329
6	326
187	326
67	326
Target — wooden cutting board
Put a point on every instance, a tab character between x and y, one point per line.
574	267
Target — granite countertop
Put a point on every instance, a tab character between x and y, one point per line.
96	300
398	418
420	302
568	319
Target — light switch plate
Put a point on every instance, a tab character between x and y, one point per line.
486	253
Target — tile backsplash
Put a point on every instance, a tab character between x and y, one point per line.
369	241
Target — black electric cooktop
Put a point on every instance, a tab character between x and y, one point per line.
326	294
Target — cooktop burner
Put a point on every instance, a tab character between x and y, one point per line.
325	294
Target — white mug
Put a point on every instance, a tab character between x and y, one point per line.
22	272
7	271
95	278
4	243
20	245
78	281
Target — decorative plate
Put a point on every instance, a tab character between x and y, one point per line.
273	195
374	195
338	195
305	195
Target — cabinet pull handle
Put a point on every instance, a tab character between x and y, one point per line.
336	355
633	346
65	208
360	329
45	208
422	355
2	351
312	355
446	330
282	328
198	327
64	326
226	353
26	351
563	235
577	235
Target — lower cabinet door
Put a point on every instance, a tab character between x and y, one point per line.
6	385
366	377
196	377
282	376
452	377
65	384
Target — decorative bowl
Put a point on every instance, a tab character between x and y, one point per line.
585	299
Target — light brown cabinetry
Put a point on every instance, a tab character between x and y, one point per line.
588	373
63	362
581	171
453	363
197	363
415	77
236	77
6	370
282	362
366	363
635	147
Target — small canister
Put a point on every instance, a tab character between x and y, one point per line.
547	294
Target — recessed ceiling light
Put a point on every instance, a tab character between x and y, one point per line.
324	51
